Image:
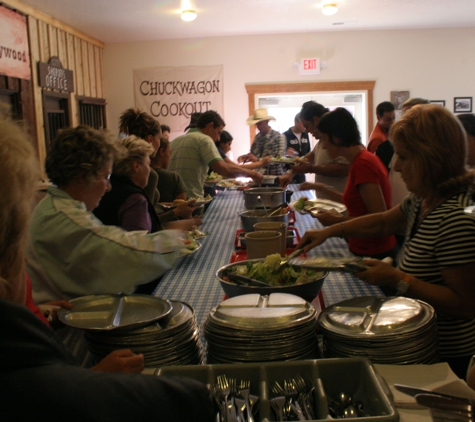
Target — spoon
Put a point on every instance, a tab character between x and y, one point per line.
262	202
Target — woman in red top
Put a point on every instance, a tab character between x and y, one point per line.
367	190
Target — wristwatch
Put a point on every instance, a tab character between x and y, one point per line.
403	285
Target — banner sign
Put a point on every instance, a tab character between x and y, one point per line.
53	75
14	53
172	94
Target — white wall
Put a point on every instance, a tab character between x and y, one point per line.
434	64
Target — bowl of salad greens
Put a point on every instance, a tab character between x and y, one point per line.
305	283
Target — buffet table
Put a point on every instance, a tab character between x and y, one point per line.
193	280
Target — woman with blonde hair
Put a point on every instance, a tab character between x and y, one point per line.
35	365
437	262
126	205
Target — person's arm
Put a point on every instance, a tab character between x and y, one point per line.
455	299
329	191
233	170
252	165
371	225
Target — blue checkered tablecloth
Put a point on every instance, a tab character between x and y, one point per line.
193	281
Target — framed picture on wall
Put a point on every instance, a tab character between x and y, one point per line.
438	102
462	104
398	98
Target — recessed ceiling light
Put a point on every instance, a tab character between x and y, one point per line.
329	9
188	15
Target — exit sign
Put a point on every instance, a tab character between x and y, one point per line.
309	66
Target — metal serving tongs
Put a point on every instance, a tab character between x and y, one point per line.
275	210
242	280
286	261
349	265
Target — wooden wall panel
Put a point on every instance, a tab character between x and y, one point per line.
79	70
77	51
86	70
92	70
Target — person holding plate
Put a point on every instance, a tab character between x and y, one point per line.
437	262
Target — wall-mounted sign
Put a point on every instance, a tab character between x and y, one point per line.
52	75
309	66
172	94
14	53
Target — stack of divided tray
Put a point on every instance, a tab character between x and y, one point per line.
255	328
165	332
394	330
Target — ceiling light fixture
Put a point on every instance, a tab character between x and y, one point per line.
329	9
188	15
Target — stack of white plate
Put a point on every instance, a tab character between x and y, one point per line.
254	328
165	332
395	330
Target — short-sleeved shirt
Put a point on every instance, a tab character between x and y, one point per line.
377	137
367	168
445	238
271	144
170	185
191	156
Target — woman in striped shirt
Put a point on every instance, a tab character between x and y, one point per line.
437	263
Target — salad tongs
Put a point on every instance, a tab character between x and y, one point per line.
349	265
246	281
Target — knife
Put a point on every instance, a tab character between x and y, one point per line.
414	391
455	404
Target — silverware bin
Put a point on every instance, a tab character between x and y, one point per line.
354	376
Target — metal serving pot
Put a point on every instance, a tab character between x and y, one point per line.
269	197
251	217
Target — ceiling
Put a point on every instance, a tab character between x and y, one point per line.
113	21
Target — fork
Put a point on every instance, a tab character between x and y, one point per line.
278	404
291	394
244	390
225	388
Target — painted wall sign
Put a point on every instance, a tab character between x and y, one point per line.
53	75
172	94
14	52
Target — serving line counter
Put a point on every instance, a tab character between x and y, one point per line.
193	281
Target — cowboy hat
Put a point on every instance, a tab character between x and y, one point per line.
260	114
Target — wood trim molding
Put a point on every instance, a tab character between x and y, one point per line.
38	14
280	88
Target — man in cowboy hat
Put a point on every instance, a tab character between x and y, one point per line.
268	142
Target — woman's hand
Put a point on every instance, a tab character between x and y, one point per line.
328	218
380	273
184	209
285	179
312	238
124	361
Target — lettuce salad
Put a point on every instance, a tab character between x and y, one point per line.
264	271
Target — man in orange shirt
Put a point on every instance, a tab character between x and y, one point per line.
386	117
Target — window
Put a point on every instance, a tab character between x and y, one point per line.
92	112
